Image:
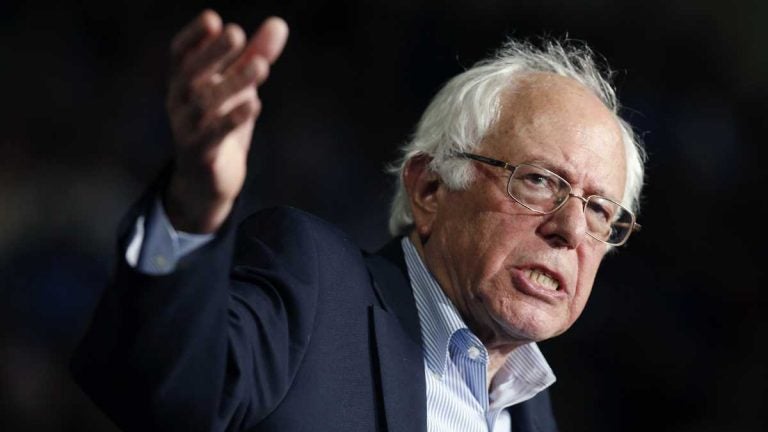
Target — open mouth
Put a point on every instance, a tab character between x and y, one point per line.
542	279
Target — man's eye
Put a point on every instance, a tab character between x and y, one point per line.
538	180
600	211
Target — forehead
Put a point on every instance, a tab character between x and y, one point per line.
556	122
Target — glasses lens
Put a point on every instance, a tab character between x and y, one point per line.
543	191
607	220
537	188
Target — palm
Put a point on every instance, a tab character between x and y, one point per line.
231	160
213	105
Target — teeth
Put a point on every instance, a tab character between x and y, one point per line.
542	279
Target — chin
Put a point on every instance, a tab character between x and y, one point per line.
508	317
525	326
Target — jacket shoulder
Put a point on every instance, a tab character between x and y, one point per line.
293	237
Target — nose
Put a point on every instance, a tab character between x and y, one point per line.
567	227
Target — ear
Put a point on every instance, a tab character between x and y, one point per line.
423	186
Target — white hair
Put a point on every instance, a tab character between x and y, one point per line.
466	108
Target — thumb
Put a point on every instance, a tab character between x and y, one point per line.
269	40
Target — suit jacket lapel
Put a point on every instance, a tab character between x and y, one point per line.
397	339
534	415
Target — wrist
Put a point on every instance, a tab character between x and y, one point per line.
193	208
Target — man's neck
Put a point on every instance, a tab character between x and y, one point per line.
496	359
497	354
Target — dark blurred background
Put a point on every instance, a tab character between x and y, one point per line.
672	339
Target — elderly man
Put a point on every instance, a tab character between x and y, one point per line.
519	179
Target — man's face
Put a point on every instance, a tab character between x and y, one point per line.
514	275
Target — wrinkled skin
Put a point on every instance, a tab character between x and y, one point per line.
478	242
212	105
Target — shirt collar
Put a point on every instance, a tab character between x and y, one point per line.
525	368
438	316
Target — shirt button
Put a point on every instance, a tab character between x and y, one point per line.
160	262
473	353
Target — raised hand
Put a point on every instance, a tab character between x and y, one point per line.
213	104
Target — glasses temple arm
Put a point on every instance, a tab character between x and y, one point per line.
486	160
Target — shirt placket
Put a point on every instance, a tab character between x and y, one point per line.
471	360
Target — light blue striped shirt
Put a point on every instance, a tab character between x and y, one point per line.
455	364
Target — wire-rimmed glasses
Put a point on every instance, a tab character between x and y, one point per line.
542	191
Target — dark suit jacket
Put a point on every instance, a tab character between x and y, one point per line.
283	325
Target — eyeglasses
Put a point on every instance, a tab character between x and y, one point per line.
542	191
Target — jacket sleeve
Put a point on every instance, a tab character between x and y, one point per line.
214	345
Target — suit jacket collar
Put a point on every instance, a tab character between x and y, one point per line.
393	286
397	335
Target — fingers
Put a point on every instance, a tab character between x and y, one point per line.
221	126
198	85
204	48
235	79
269	40
214	97
200	51
202	29
263	49
205	134
215	56
215	74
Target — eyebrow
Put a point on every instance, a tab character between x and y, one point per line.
568	176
